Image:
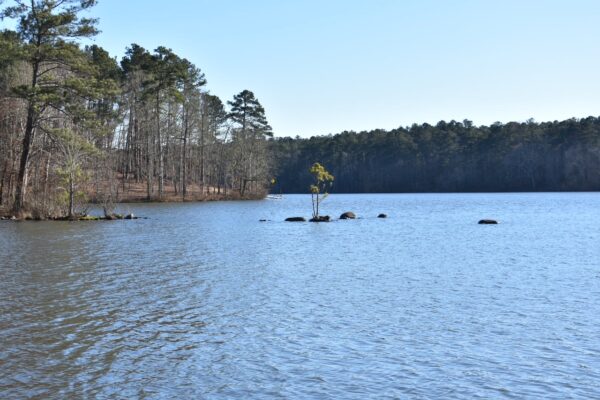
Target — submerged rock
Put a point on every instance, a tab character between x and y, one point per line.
321	218
89	218
488	222
348	215
295	219
382	216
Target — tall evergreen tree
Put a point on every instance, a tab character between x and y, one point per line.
252	129
168	72
249	114
213	136
48	30
193	80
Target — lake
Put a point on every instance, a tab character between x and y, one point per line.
201	300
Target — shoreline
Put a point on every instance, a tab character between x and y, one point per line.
28	215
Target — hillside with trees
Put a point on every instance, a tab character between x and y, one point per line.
449	157
76	125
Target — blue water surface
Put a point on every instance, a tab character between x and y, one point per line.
201	300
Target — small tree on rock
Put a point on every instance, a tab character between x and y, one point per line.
322	180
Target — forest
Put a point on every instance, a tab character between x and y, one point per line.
448	157
78	126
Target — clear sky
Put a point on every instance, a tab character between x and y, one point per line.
326	66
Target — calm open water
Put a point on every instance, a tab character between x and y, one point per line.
202	300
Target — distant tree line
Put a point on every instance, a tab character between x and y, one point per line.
449	157
76	125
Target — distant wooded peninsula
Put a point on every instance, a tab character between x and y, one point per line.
448	157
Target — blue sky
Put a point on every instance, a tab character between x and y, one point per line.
322	67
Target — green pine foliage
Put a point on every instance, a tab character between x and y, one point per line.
449	157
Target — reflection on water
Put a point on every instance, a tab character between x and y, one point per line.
202	300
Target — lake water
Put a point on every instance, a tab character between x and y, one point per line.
201	300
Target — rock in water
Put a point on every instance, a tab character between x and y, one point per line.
321	218
382	216
130	216
488	222
295	219
348	215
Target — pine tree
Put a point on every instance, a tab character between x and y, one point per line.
249	114
252	129
48	30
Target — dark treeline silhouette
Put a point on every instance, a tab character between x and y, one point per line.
449	157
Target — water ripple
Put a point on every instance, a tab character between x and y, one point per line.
202	301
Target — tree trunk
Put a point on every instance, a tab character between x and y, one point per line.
4	173
183	161
71	196
149	168
27	142
202	152
26	149
161	164
46	177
